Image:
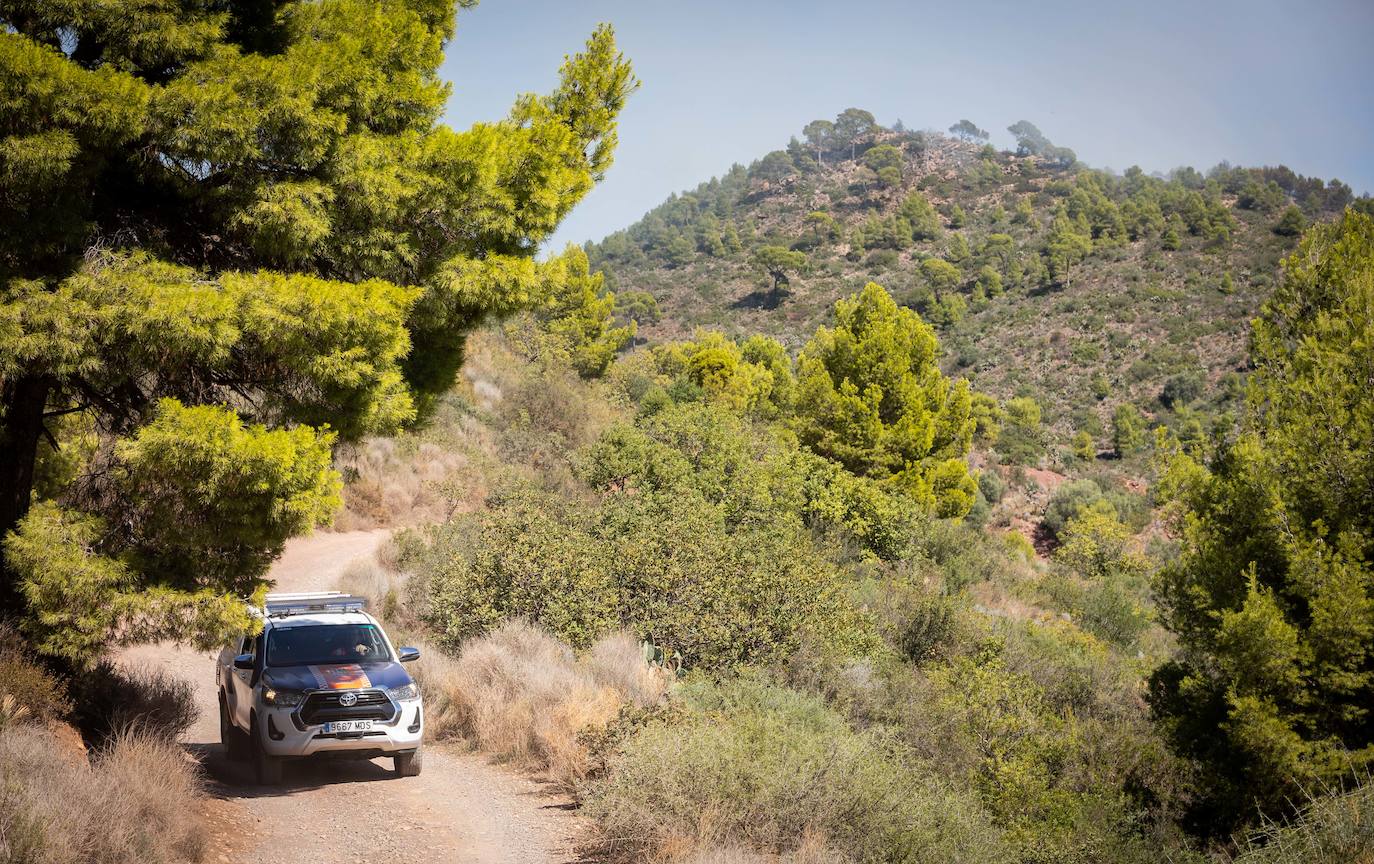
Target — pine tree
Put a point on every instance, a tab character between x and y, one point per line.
870	395
1272	596
1083	446
229	240
579	313
1128	430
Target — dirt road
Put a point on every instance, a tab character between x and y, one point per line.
460	809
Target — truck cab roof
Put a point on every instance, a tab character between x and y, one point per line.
315	619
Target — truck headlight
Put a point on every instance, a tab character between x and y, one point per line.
281	698
404	694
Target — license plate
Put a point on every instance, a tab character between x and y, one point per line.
348	726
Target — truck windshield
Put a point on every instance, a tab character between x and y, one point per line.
326	643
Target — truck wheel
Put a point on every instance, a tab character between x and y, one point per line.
267	766
408	764
233	740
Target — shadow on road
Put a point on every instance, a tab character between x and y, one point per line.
228	779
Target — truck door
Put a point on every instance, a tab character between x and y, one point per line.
243	681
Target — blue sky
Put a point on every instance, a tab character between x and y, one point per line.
1158	84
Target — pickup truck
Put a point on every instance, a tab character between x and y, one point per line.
322	678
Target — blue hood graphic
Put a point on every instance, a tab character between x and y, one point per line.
381	675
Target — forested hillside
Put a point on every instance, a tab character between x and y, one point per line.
1080	288
864	658
893	499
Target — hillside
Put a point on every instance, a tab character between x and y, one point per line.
1078	287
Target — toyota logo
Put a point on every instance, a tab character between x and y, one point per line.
348	700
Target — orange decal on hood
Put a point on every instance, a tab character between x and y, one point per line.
345	677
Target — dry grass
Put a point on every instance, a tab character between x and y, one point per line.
397	481
27	689
521	694
811	850
436	673
133	803
1338	826
108	699
618	662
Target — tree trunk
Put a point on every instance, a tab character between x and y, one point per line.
23	401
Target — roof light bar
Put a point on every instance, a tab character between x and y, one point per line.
303	603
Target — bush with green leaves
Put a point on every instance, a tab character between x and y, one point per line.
527	555
1102	580
1022	438
1062	787
578	315
708	451
668	566
750	763
754	377
1071	500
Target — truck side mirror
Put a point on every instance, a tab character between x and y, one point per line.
408	654
244	661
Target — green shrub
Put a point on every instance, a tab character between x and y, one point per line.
528	555
1076	671
1072	499
666	566
991	484
754	764
1059	786
1101	579
931	629
956	555
1022	440
1180	390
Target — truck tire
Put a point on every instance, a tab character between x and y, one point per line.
231	737
408	764
265	765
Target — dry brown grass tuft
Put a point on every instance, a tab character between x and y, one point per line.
521	694
133	803
436	673
108	699
27	689
392	594
397	481
811	850
618	662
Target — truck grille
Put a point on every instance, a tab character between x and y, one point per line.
324	707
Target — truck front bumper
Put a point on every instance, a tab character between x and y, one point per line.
284	735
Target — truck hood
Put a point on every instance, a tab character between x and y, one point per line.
340	676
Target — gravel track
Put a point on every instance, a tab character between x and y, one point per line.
462	808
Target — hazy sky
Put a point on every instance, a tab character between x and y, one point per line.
1158	83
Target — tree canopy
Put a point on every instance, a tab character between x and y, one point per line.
1272	598
778	262
852	126
871	396
231	238
968	131
1030	141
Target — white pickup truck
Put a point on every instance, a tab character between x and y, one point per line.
321	678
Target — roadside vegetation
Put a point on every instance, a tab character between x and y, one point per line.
91	769
942	690
891	499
